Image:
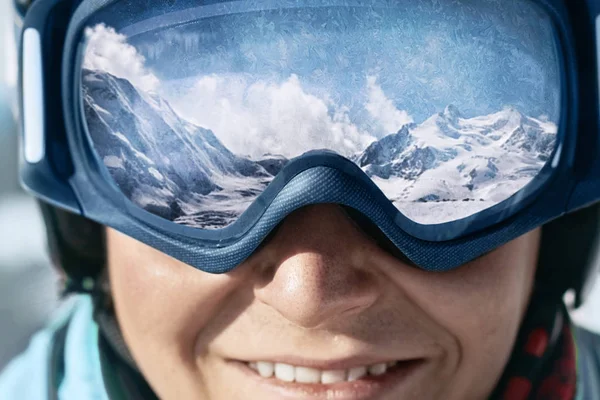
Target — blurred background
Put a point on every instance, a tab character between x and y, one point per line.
28	285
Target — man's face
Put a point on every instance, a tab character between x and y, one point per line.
323	295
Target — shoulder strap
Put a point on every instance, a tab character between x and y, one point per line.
121	381
588	349
56	370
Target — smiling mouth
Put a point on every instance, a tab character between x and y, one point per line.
360	382
290	373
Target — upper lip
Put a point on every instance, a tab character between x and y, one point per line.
331	364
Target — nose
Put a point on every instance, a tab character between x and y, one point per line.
316	268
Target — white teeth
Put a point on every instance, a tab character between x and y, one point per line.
307	375
356	373
378	369
333	376
265	368
289	373
284	372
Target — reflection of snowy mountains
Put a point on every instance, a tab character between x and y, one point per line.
450	158
163	163
184	173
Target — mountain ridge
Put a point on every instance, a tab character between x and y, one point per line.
184	173
173	161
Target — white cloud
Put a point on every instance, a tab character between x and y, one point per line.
279	118
109	51
383	110
252	117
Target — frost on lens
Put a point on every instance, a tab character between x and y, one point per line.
450	108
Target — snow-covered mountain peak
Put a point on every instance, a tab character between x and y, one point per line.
183	172
508	116
451	113
163	163
449	158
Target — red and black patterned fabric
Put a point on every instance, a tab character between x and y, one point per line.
560	383
543	365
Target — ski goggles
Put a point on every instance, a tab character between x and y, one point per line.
197	127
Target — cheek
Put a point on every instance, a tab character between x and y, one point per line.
494	295
162	306
480	305
149	290
489	295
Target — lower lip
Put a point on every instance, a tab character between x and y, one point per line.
369	387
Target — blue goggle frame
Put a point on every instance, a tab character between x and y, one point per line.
70	175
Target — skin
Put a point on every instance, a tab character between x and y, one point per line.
320	289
